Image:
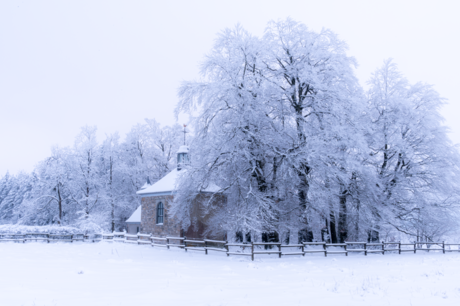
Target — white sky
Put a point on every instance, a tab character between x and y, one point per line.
65	64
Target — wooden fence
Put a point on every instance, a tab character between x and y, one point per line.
50	237
241	249
256	248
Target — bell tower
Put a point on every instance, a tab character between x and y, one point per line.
182	157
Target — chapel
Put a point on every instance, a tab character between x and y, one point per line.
156	202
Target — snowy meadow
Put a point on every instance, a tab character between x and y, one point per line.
42	274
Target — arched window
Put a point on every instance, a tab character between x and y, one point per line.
160	213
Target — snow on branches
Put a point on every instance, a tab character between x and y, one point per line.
298	148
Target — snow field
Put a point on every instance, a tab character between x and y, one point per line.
105	273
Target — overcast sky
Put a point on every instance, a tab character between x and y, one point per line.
66	64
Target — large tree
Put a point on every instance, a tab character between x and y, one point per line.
274	113
416	166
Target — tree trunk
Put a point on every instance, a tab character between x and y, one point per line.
357	221
294	236
111	196
59	204
305	235
87	201
343	226
333	232
325	231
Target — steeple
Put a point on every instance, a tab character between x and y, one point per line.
182	157
182	154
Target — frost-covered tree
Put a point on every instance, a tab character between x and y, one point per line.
234	137
13	190
49	198
275	115
312	79
6	185
416	165
109	166
86	187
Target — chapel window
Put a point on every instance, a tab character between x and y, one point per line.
160	213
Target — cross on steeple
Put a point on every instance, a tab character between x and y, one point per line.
185	132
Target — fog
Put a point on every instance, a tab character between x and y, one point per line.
67	64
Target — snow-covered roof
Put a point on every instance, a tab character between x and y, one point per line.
167	185
135	217
183	149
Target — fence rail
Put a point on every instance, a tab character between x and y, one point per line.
255	248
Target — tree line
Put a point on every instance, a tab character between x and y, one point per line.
91	185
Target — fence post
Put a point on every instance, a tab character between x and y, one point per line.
252	250
399	247
185	243
303	249
167	243
226	246
279	250
383	247
205	247
443	248
325	249
415	247
365	249
346	252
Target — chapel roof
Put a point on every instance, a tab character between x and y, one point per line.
167	185
135	217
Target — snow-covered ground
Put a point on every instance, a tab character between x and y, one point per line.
122	274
